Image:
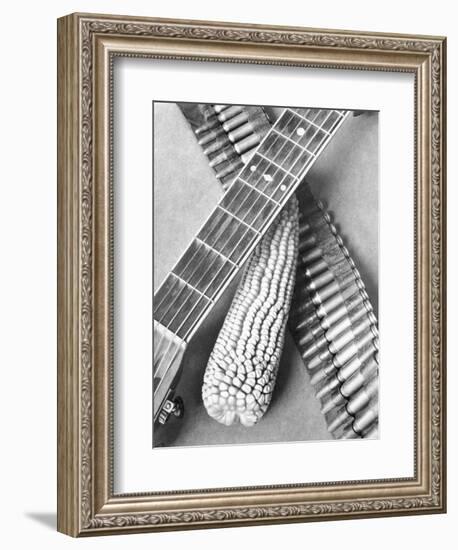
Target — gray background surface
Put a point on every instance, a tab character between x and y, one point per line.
185	192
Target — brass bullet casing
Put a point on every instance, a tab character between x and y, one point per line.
365	419
212	122
240	132
216	146
344	324
314	348
320	237
308	316
315	253
363	397
246	144
310	257
347	336
371	432
340	298
332	384
351	349
356	379
320	296
315	220
364	356
219	108
314	331
320	279
336	399
304	310
360	377
227	168
349	433
229	112
322	273
222	155
342	311
340	419
316	267
215	133
234	122
325	371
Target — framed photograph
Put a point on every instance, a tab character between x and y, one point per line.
251	289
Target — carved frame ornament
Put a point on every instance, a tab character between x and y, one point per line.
87	45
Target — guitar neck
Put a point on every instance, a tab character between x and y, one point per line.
242	216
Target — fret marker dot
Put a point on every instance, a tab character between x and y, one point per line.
268	177
300	131
282	187
252	168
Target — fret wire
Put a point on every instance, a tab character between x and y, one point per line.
221	267
254	244
295	129
259	213
206	245
313	124
297	144
290	151
300	156
255	240
187	316
170	306
229	238
156	306
321	145
220	230
237	218
277	165
258	191
286	110
306	112
325	141
331	111
192	287
245	199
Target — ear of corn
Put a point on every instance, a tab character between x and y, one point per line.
242	368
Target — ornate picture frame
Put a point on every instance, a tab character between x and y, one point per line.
87	46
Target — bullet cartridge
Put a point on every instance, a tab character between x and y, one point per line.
359	378
366	418
336	400
363	397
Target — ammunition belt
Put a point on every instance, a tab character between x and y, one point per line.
331	319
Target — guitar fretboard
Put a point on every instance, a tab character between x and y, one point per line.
242	217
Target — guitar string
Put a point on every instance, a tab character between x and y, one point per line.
260	177
223	228
230	219
174	356
198	249
279	185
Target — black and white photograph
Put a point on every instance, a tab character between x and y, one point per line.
251	290
265	274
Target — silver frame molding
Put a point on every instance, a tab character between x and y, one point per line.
87	45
